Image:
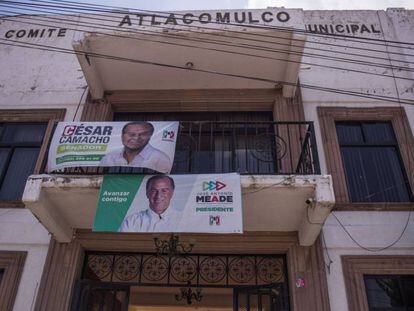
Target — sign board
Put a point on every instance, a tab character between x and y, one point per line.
133	144
209	203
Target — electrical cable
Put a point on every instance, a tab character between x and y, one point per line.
247	54
288	29
222	34
404	127
265	187
222	43
373	249
264	80
80	102
269	36
328	265
409	212
273	82
258	56
204	27
399	68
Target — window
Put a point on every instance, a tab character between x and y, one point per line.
11	269
359	180
20	145
389	292
372	162
379	283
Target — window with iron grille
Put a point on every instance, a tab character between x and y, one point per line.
372	162
20	144
219	141
390	292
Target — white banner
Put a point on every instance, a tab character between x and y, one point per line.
209	203
133	144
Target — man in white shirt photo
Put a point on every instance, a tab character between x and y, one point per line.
137	152
159	217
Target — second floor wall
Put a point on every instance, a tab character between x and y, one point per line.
39	68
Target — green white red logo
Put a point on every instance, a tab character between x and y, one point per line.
168	135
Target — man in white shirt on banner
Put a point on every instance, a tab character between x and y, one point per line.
137	151
159	217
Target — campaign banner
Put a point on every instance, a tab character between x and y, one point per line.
132	144
209	203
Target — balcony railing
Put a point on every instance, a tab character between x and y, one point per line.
244	147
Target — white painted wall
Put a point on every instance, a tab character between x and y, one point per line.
370	229
21	231
32	79
36	79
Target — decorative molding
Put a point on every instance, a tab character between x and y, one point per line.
36	115
308	263
285	109
194	100
375	206
33	115
12	263
97	110
396	115
247	243
288	110
184	100
12	204
63	265
354	268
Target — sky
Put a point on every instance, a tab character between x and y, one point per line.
255	4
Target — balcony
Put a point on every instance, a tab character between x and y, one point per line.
281	183
194	64
249	148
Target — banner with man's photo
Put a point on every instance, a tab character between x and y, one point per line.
132	144
209	203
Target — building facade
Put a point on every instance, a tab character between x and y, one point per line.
314	109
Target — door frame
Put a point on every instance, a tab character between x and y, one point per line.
64	262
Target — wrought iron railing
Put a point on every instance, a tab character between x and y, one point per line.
243	147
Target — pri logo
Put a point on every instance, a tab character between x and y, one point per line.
214	220
168	135
69	130
213	185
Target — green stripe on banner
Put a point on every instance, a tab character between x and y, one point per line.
80	158
64	148
115	197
